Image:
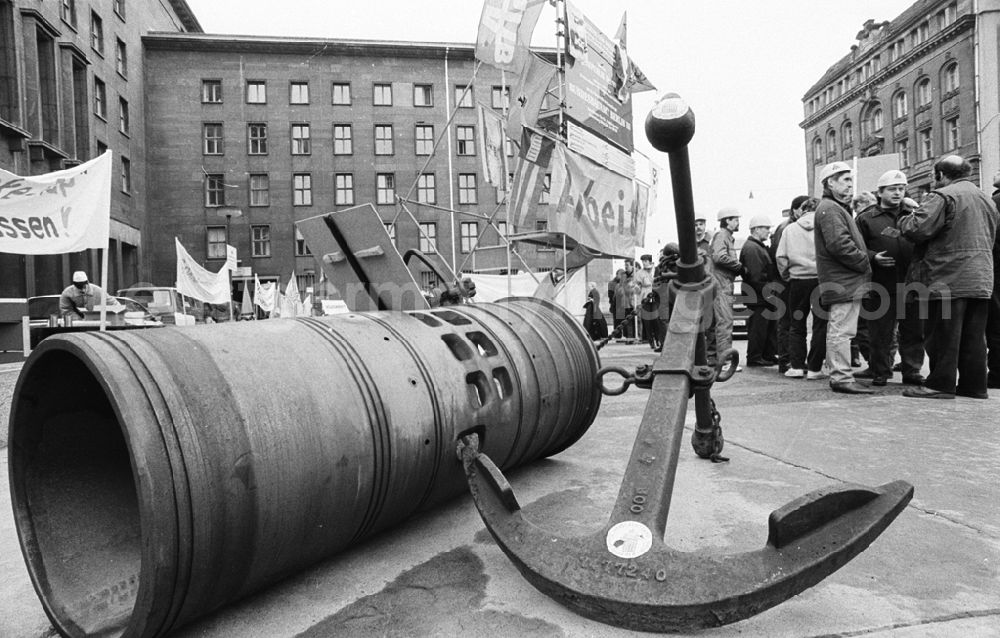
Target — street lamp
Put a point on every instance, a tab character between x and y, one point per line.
229	212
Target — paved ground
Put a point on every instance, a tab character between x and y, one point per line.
934	572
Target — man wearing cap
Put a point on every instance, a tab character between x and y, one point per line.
843	271
702	237
784	319
954	231
888	304
758	292
726	268
80	297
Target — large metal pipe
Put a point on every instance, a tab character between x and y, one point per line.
159	474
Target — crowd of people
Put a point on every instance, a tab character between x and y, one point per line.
847	277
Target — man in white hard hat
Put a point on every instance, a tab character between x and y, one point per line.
80	297
888	305
726	268
954	231
758	294
843	271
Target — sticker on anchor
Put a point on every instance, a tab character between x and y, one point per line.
629	539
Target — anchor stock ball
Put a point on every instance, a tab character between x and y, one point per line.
670	123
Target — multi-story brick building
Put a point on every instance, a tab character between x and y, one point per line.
72	84
922	85
276	130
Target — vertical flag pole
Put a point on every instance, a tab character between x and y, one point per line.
104	286
451	176
506	183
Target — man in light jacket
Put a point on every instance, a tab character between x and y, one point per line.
954	231
843	271
726	268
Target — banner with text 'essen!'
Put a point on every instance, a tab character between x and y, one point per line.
62	212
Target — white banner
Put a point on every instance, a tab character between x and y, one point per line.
491	145
231	258
264	294
194	281
62	212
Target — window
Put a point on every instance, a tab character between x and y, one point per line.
123	119
872	123
260	189
541	226
383	139
97	33
126	175
342	93
119	6
952	136
467	188
385	188
428	279
100	99
923	92
508	144
67	11
831	142
500	97
215	240
897	50
470	233
876	119
426	193
950	80
301	250
899	105
428	237
466	136
924	31
256	92
926	144
257	138
211	91
543	197
424	139
215	190
817	150
298	93
903	149
390	228
343	189
302	189
212	137
342	139
382	94
260	240
121	58
300	139
423	95
463	98
501	229
847	135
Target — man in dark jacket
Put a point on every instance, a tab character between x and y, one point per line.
843	271
783	291
758	273
954	231
888	305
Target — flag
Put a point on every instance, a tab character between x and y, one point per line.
628	78
491	142
528	95
264	294
505	29
62	212
291	302
529	174
199	283
279	302
246	307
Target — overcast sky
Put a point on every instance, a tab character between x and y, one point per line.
742	66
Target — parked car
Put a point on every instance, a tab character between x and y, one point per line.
167	304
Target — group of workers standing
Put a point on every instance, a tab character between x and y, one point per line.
875	275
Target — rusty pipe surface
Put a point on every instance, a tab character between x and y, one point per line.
157	475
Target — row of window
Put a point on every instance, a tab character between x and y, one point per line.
67	11
951	139
917	36
101	106
300	138
344	192
97	44
260	239
255	92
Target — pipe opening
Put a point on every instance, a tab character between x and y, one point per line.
75	498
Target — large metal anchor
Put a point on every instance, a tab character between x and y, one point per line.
624	574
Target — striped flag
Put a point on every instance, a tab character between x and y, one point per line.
529	174
505	29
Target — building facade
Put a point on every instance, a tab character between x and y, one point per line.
922	85
248	135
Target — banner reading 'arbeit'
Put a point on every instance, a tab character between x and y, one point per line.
597	207
62	212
